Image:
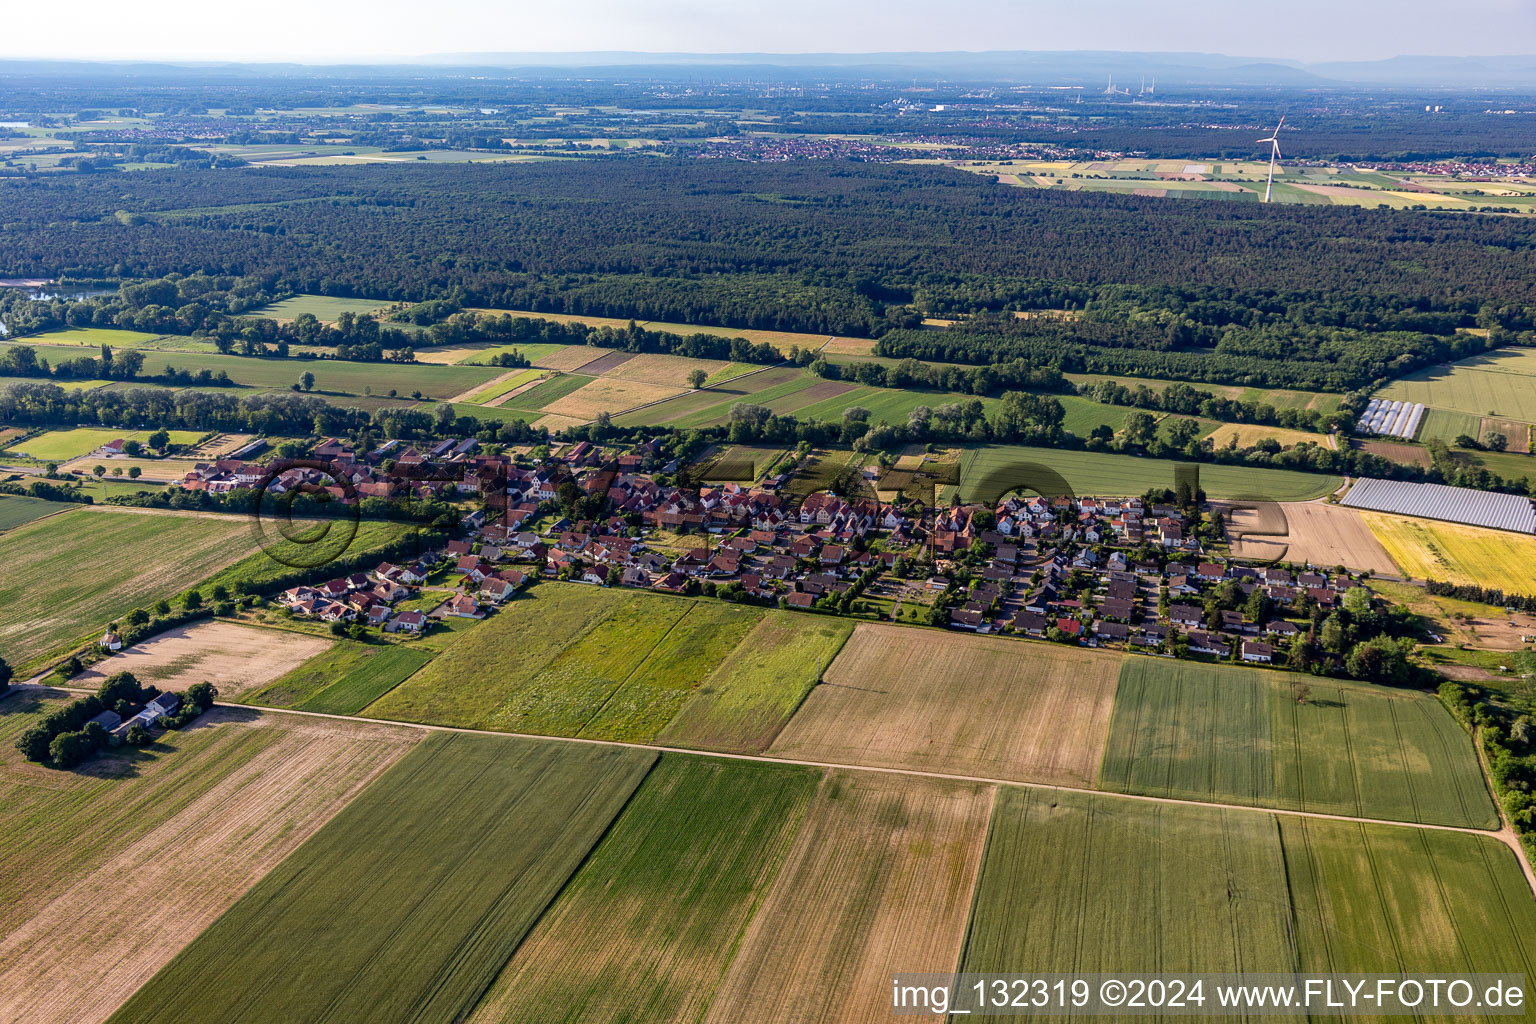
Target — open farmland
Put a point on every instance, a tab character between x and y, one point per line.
285	545
610	395
108	872
742	704
646	929
16	510
332	376
505	384
325	308
68	575
1313	532
669	371
899	697
573	660
1074	882
407	904
236	659
1425	549
63	445
1103	474
880	880
341	679
1373	898
1497	383
1249	434
782	339
1232	735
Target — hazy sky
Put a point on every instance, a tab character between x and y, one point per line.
317	30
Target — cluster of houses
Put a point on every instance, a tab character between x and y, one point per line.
1098	571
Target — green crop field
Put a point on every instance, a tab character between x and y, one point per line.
1374	898
63	445
646	929
333	376
742	705
1498	383
575	660
408	903
16	510
534	350
325	308
1073	882
1145	887
531	403
96	336
1446	425
1096	473
513	382
1232	735
342	680
69	575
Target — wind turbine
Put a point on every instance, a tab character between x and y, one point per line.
1274	156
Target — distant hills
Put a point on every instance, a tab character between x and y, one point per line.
1025	67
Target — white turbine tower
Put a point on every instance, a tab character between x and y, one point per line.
1274	156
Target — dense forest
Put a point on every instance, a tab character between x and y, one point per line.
1286	295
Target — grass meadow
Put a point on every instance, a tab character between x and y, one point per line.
408	903
342	680
1234	735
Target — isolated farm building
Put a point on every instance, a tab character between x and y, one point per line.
406	622
110	641
162	705
108	720
1257	651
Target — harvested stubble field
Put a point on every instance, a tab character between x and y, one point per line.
1250	434
70	574
342	679
899	697
1425	549
1075	882
880	880
669	371
608	394
407	904
1233	735
236	659
744	703
1315	532
648	926
106	873
574	660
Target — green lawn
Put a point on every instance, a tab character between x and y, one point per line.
63	445
409	902
742	704
574	660
68	575
1105	474
342	680
648	926
1236	735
